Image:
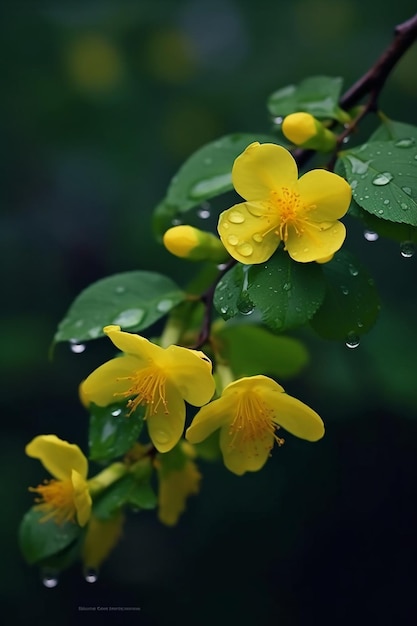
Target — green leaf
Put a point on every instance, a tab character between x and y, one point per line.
317	95
40	540
402	233
392	130
113	431
126	491
205	174
251	350
286	293
383	177
351	304
132	300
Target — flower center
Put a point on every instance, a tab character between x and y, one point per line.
288	206
147	388
56	498
253	422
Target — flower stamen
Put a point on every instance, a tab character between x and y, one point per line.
148	388
56	498
253	422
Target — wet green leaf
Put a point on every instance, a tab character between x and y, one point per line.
392	130
286	294
383	177
132	300
205	174
40	540
250	350
351	304
317	95
127	491
113	431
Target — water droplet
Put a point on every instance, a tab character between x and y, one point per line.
116	412
95	332
381	212
359	324
346	139
404	206
358	166
216	184
405	143
233	240
176	221
204	211
76	347
286	286
354	184
79	323
344	290
353	271
236	217
161	436
164	306
91	575
245	304
224	310
130	317
49	579
245	249
370	235
382	179
407	190
352	340
120	289
257	237
407	249
277	120
222	266
386	201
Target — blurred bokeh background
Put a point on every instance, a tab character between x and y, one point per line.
101	102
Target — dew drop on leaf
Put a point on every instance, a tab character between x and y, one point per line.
382	179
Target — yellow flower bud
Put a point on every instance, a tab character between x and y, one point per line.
194	244
306	131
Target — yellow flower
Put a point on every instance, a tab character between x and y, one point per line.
66	497
248	414
303	213
102	536
160	378
176	485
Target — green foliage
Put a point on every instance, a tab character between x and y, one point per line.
113	430
40	540
130	490
250	350
132	300
317	95
383	177
286	293
351	303
205	174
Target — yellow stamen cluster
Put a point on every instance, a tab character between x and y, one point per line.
253	422
148	388
56	498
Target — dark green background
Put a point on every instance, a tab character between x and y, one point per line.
326	533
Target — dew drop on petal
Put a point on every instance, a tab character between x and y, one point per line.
370	235
160	436
257	237
236	217
407	249
232	240
352	340
245	249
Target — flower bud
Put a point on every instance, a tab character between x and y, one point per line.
194	244
306	131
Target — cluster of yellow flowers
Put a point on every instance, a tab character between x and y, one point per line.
303	214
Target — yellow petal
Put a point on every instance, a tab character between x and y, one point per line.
174	489
248	232
57	456
262	168
313	243
104	385
328	193
132	344
210	418
165	426
102	536
242	456
190	371
82	498
294	416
